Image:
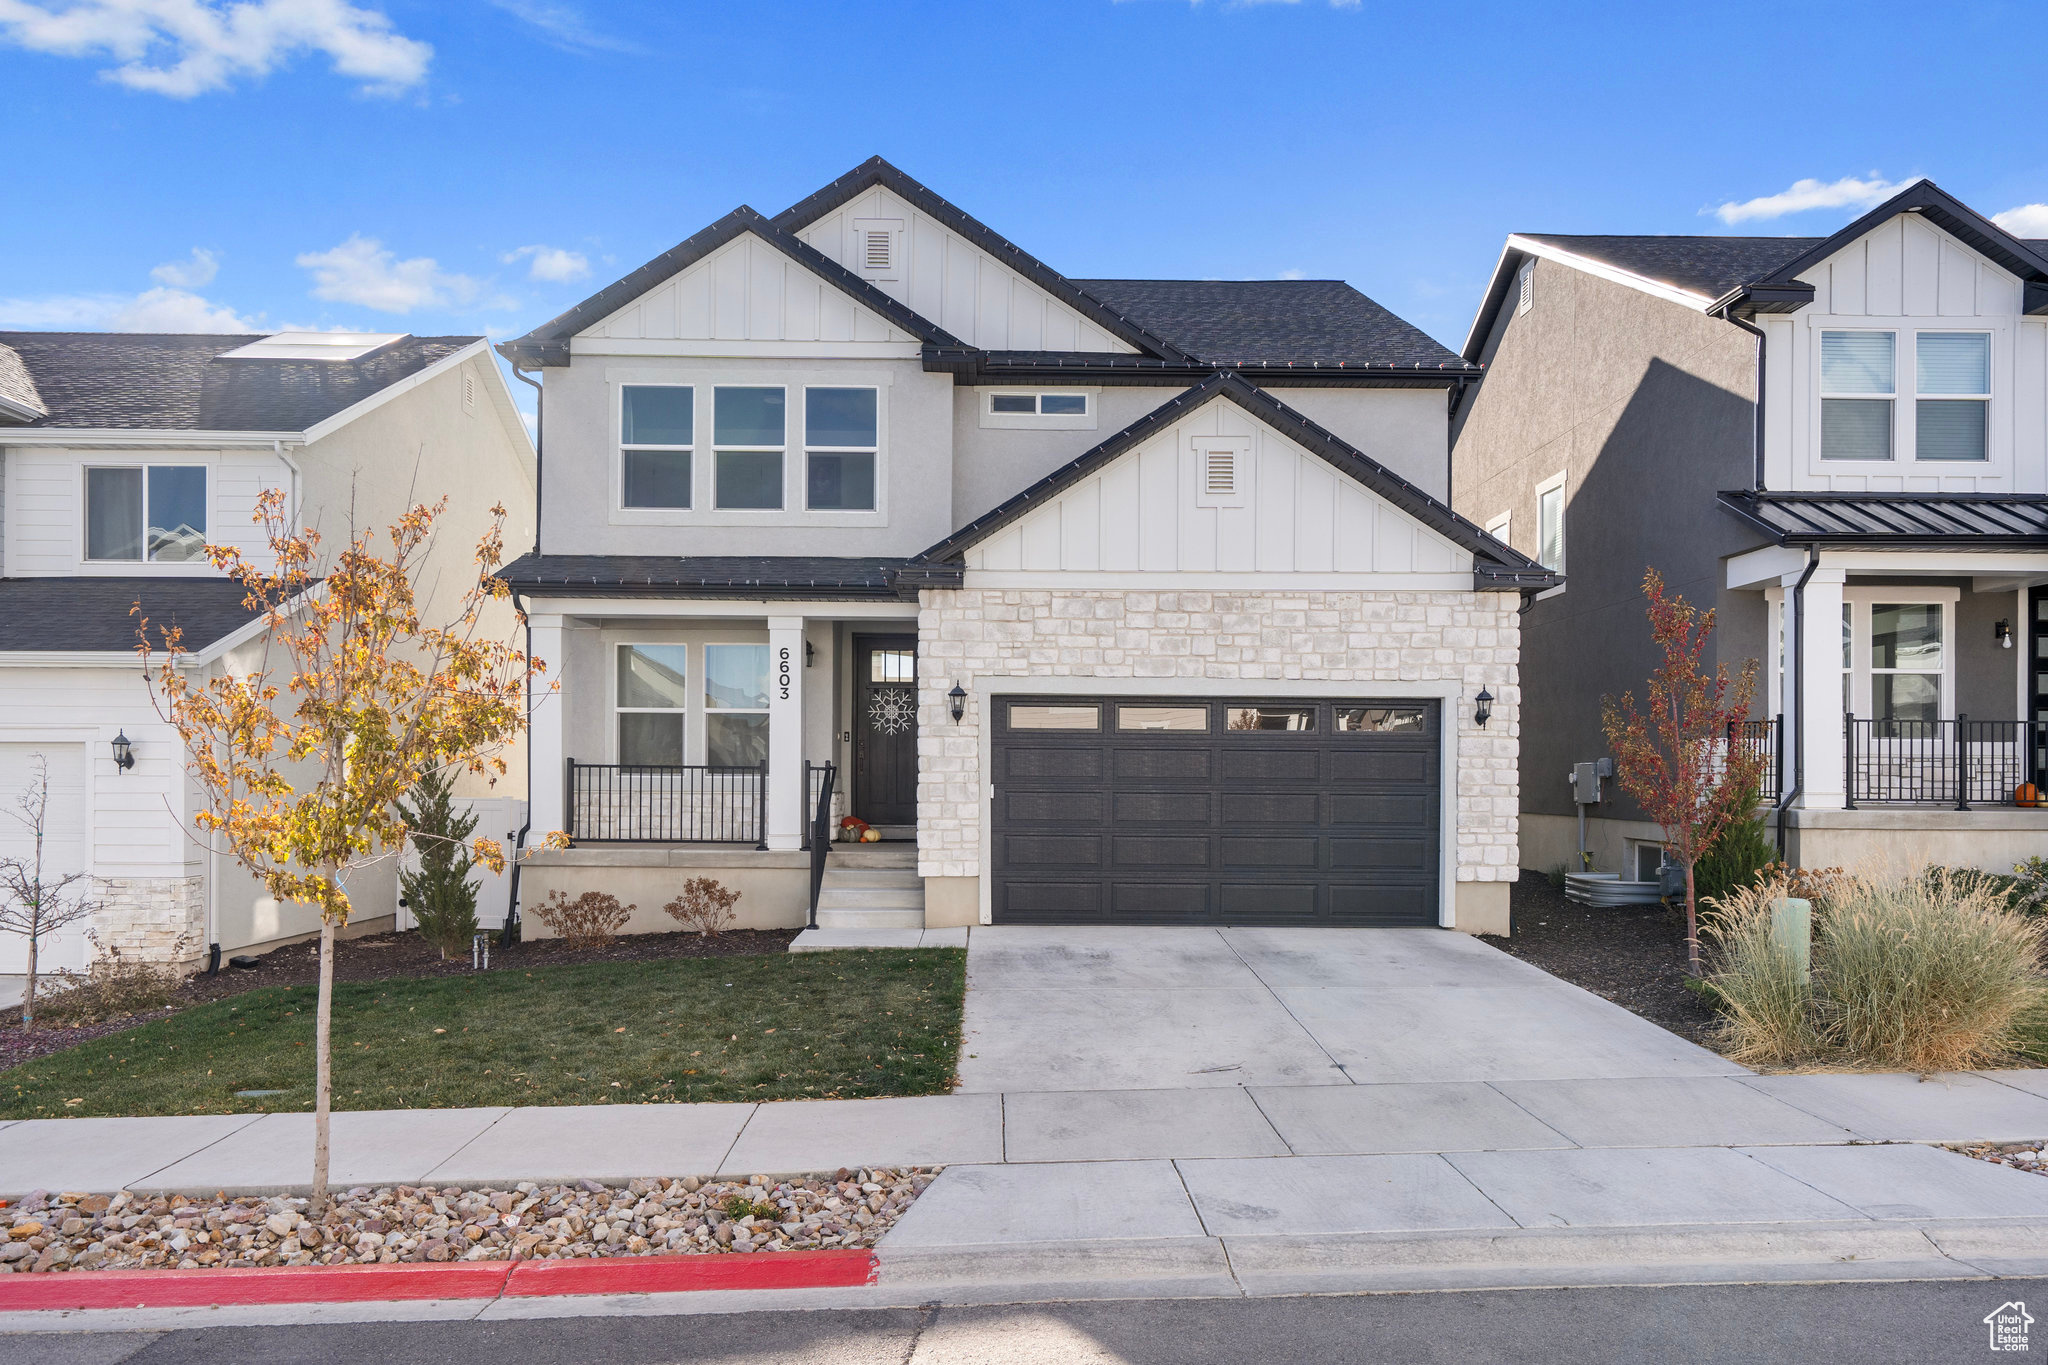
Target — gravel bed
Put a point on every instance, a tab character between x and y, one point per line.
848	1208
2021	1156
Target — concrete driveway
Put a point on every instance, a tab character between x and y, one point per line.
1172	1007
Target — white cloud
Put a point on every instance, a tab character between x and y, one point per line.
1292	275
183	48
363	272
153	310
553	263
196	272
2028	220
1848	192
565	25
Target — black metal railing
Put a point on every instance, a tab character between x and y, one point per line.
614	803
1765	739
1960	763
818	781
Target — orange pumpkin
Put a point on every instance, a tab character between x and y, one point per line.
2027	794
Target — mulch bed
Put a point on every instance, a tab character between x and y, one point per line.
1634	957
383	957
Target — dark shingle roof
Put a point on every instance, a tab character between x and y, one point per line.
1253	322
1985	521
172	382
95	613
1705	265
748	576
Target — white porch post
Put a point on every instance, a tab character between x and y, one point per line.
546	743
786	793
1820	690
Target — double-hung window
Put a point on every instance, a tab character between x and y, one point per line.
749	426
840	447
1906	661
652	698
657	435
146	512
1952	405
1858	386
735	705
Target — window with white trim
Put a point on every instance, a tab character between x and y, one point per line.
146	512
1906	661
1550	525
650	701
841	447
1016	404
1952	395
749	433
1501	528
1858	391
735	705
657	435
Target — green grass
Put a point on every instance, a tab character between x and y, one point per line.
782	1027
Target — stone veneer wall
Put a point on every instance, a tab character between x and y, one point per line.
152	919
1338	637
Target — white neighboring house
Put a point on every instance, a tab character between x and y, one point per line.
1105	601
121	455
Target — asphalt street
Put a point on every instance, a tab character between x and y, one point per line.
1870	1324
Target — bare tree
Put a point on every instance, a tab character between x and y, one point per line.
36	903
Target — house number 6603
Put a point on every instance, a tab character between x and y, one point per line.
782	674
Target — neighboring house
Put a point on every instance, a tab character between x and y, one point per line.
1131	601
121	457
1840	444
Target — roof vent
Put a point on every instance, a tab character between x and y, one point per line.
1219	473
875	247
314	346
1528	287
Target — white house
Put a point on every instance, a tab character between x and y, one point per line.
121	456
1104	601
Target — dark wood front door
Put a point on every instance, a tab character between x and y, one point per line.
885	729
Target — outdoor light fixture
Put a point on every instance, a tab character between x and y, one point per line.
124	752
2002	632
810	653
1482	708
958	696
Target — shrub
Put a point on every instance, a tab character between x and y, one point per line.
2030	886
1737	857
1820	885
1765	999
112	987
440	894
591	920
705	906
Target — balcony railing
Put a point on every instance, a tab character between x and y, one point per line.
1765	739
612	803
1959	763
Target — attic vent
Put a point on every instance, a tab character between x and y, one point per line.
1219	473
874	247
876	254
468	392
1527	286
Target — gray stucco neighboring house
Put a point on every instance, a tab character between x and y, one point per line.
1841	444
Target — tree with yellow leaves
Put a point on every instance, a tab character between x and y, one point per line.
301	761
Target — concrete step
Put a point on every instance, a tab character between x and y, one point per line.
873	876
872	855
870	917
876	898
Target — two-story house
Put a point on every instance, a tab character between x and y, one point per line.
1840	444
1105	601
121	457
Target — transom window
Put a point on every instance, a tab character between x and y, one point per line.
840	447
1182	719
1038	404
1382	720
152	512
1028	716
1270	718
652	699
657	437
748	432
735	705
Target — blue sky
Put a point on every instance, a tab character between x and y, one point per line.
478	165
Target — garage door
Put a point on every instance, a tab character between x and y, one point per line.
1197	811
65	847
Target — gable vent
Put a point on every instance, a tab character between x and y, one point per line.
876	254
1527	295
874	247
1219	473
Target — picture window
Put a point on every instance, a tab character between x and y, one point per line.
153	512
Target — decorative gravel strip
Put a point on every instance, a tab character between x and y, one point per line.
423	1223
2023	1156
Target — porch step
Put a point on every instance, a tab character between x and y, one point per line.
869	897
871	855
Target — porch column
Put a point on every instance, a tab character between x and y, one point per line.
785	731
545	743
1820	690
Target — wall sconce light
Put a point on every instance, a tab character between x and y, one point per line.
1482	708
810	654
124	752
2002	632
958	696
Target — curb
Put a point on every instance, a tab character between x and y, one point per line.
73	1290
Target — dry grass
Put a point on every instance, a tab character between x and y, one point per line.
1767	1001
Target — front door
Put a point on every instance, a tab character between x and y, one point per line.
885	729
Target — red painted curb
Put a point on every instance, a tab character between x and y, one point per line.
80	1289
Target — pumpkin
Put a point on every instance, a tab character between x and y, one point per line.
2027	794
871	836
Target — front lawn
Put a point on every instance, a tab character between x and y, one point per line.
782	1027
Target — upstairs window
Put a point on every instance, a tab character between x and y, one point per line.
748	426
153	512
1858	386
840	446
1038	404
1550	527
1953	402
657	435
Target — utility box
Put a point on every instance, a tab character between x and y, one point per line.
1586	779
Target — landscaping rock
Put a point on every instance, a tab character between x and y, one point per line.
2022	1156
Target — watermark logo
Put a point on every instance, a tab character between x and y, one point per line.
2008	1324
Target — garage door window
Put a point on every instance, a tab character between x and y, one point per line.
1054	718
1185	719
1272	718
1382	720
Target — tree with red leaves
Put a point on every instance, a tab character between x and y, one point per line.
1673	756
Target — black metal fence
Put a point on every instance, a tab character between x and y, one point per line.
818	780
1766	739
612	803
1960	763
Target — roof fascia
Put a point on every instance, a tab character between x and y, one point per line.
1504	269
1024	367
875	171
1603	270
107	437
1945	211
20	411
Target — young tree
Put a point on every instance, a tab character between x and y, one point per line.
1673	756
35	902
302	760
439	892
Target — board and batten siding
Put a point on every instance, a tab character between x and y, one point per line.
748	291
45	509
943	276
1144	513
1907	275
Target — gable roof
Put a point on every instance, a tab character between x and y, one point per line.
1497	567
94	614
875	171
1234	323
548	344
176	382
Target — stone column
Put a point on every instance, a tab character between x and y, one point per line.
1819	624
786	795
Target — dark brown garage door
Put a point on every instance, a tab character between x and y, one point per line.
1197	811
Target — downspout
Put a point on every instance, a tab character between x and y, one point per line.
509	934
1756	440
293	466
1798	603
